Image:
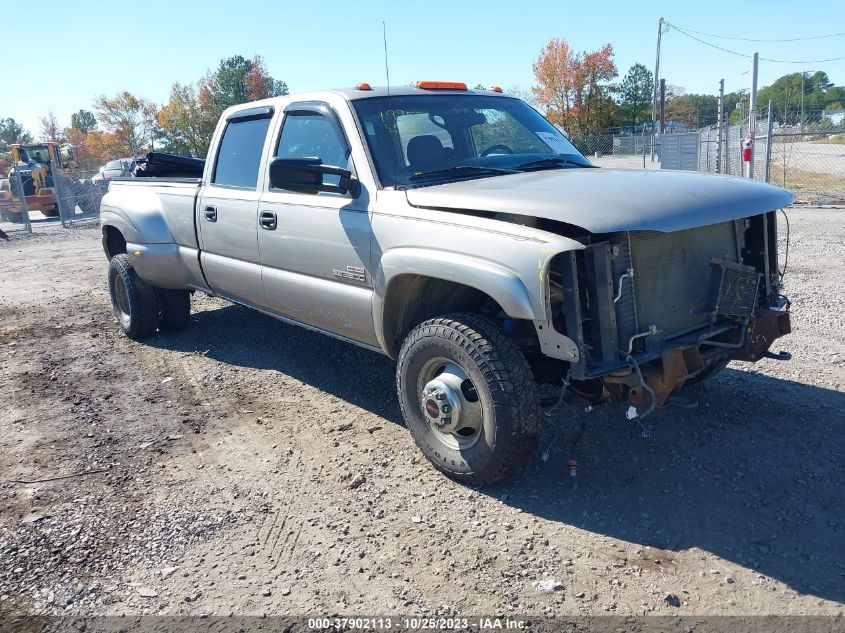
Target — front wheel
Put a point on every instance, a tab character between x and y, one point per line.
468	397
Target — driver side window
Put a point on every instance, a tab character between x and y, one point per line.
311	134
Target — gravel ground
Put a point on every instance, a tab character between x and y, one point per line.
245	466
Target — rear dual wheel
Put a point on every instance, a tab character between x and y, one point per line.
468	397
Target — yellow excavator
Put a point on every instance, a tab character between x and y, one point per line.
37	164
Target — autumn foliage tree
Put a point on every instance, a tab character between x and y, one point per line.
128	124
78	140
575	87
187	121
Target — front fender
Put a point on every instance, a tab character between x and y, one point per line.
502	285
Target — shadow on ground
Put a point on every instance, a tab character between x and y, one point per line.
754	475
246	338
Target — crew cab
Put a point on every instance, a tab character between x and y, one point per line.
460	233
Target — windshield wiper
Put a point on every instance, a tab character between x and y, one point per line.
550	162
458	169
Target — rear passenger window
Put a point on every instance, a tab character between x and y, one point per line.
240	153
309	134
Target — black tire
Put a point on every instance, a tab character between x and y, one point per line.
503	385
709	372
51	212
174	310
133	300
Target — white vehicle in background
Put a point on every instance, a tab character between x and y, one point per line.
119	168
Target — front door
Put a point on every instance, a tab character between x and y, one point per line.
227	216
315	248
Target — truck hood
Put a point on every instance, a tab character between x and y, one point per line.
608	200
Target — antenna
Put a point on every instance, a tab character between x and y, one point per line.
390	114
386	67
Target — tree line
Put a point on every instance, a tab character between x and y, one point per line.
578	91
125	124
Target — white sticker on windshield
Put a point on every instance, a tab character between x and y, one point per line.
557	142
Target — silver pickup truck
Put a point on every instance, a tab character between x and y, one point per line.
460	233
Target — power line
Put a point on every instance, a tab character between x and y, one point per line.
805	61
746	55
751	39
726	50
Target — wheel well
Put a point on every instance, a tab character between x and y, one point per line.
412	299
113	241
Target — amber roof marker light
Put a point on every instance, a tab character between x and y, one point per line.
496	89
363	86
440	85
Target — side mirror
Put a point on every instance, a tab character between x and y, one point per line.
305	175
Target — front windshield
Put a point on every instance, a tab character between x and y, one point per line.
35	154
418	140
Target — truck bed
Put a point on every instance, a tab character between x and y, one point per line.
159	164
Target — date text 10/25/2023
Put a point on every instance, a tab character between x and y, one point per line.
416	624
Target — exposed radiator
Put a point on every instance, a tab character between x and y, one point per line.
672	275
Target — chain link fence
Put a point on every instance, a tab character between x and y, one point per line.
77	199
619	149
14	215
810	164
77	196
806	157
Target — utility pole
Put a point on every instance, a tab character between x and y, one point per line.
752	114
662	106
720	125
656	85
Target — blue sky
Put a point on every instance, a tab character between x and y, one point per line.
81	49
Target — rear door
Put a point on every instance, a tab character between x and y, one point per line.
227	212
315	248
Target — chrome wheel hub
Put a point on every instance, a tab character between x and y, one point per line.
441	405
450	403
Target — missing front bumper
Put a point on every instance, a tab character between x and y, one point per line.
675	366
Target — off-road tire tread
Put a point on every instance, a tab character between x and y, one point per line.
505	370
144	317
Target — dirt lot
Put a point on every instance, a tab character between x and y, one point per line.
245	466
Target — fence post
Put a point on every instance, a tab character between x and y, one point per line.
643	146
720	123
24	210
61	202
769	144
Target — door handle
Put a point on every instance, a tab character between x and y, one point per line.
211	214
267	220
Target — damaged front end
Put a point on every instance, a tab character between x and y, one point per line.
651	311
